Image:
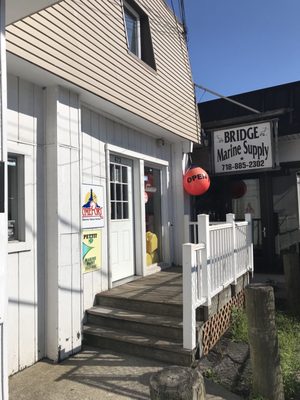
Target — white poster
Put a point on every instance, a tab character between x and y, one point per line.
243	148
92	206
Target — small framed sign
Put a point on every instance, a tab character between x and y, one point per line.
91	250
92	206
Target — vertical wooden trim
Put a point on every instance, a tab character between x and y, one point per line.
142	227
165	215
52	243
138	211
108	211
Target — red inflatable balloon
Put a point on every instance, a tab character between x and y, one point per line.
196	181
238	189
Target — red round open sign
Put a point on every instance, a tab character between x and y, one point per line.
196	181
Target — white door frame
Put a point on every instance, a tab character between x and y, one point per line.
139	206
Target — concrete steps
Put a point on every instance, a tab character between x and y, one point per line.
148	329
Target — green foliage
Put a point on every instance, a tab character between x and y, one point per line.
288	329
210	374
239	326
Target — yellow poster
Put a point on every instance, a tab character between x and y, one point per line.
91	250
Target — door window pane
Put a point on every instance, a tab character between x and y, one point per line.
113	210
125	192
152	198
125	211
15	200
117	172
112	172
124	175
112	192
12	166
119	191
119	210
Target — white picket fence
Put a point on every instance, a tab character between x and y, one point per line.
223	253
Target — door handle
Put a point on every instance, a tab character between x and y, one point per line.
264	232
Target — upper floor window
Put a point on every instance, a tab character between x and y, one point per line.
133	31
138	33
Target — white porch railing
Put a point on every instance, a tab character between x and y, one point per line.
224	252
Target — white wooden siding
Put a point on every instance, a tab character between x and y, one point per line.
70	152
63	303
85	43
26	260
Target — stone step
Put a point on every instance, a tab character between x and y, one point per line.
149	324
107	299
137	344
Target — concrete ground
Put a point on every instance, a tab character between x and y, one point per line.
94	374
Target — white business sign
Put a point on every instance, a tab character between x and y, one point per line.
243	148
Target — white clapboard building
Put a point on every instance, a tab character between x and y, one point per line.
100	115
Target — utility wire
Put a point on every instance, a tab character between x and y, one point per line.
183	18
228	99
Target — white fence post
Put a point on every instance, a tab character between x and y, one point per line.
248	218
189	266
231	219
204	237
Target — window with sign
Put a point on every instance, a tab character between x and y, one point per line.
15	187
152	198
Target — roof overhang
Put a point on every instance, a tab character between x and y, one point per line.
16	9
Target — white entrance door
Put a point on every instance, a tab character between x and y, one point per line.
121	219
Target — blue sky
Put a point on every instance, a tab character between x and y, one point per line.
242	45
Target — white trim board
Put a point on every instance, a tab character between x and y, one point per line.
135	155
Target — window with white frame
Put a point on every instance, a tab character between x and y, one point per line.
16	206
138	35
133	31
119	192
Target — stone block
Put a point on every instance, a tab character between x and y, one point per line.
177	383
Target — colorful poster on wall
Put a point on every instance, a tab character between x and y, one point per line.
91	250
92	206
